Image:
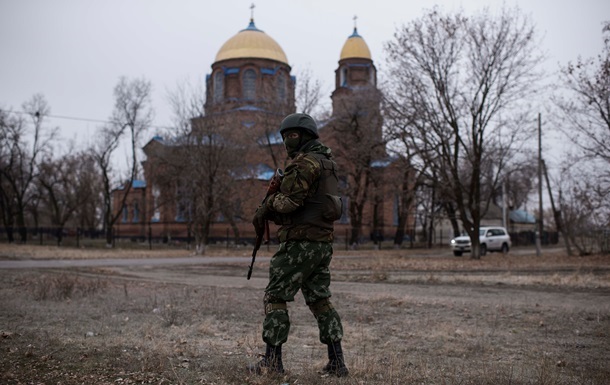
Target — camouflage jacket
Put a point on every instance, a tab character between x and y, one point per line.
300	182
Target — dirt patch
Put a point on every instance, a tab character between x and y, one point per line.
410	317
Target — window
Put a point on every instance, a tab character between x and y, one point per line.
183	202
125	214
281	87
249	85
136	213
218	86
343	77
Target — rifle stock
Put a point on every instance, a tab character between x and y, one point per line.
274	186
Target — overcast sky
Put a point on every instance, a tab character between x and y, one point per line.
74	51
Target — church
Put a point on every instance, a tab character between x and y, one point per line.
214	176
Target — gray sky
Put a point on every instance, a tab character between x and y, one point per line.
74	51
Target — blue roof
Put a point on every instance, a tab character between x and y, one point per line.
264	172
269	71
231	70
521	216
138	183
382	163
270	138
248	108
260	171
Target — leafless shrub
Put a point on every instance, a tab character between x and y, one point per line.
65	287
173	310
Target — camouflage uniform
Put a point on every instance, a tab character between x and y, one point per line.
305	213
303	259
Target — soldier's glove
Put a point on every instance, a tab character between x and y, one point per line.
259	220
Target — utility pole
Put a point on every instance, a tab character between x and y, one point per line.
540	224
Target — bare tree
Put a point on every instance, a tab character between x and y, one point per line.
200	165
356	125
309	93
61	194
411	177
90	197
131	116
22	151
461	85
583	104
520	179
10	126
584	215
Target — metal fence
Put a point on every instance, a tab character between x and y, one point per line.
598	241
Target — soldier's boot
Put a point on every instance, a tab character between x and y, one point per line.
270	363
336	362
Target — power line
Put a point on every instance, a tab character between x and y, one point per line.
76	118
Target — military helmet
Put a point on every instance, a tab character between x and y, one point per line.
300	120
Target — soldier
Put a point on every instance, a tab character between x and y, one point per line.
305	207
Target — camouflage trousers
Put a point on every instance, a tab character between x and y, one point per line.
300	265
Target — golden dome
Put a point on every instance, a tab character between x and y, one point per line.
355	47
251	43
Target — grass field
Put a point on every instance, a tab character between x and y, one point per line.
410	317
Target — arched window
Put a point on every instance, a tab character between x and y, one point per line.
343	77
281	87
219	90
249	86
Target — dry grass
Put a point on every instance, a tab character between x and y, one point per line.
410	320
29	251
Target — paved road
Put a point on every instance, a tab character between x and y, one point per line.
169	270
64	263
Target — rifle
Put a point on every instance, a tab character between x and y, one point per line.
274	186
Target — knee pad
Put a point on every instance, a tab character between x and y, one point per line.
271	303
321	306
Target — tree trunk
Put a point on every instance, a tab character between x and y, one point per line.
60	235
109	235
451	213
399	235
10	234
23	232
403	214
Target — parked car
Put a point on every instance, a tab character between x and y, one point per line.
491	239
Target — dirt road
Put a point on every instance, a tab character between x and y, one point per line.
412	315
